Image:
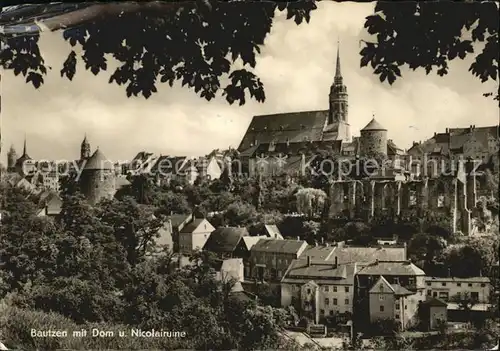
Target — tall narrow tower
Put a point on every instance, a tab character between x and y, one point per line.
85	149
339	108
11	159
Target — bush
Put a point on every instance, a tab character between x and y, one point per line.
16	325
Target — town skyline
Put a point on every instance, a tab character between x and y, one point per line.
297	66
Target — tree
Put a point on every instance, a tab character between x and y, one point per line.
200	39
428	35
310	201
240	214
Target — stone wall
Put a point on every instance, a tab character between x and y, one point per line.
373	143
97	185
388	197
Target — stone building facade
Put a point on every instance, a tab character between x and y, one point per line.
98	178
373	141
454	195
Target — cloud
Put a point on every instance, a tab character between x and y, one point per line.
297	65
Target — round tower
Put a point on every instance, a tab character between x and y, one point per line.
98	180
85	149
373	140
11	159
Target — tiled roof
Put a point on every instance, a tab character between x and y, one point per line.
368	254
459	280
400	290
191	226
98	162
383	286
322	273
373	125
121	182
319	252
391	268
178	219
273	231
250	241
225	239
293	127
279	246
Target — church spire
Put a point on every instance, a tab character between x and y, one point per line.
338	73
24	147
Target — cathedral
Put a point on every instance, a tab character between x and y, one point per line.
292	133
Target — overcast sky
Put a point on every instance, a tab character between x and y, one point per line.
296	66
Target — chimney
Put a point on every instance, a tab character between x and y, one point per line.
298	238
435	133
308	261
447	130
405	251
336	264
322	240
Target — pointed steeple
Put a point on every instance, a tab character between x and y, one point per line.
85	148
338	73
24	147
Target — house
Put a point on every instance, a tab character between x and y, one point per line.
270	258
432	313
243	248
229	269
178	222
50	204
194	235
185	169
391	301
223	241
403	286
319	288
477	288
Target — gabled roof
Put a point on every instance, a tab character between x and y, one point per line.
392	268
279	246
319	252
179	219
225	239
273	231
292	127
381	286
98	162
373	125
250	241
194	224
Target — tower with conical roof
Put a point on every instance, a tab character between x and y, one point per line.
373	140
338	101
98	181
11	159
85	149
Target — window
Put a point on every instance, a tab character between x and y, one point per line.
483	285
406	307
397	316
470	284
346	301
397	307
326	288
331	312
396	280
443	284
428	283
322	312
335	302
434	294
279	274
334	289
459	284
474	296
443	295
411	281
308	291
381	297
346	289
381	308
327	301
